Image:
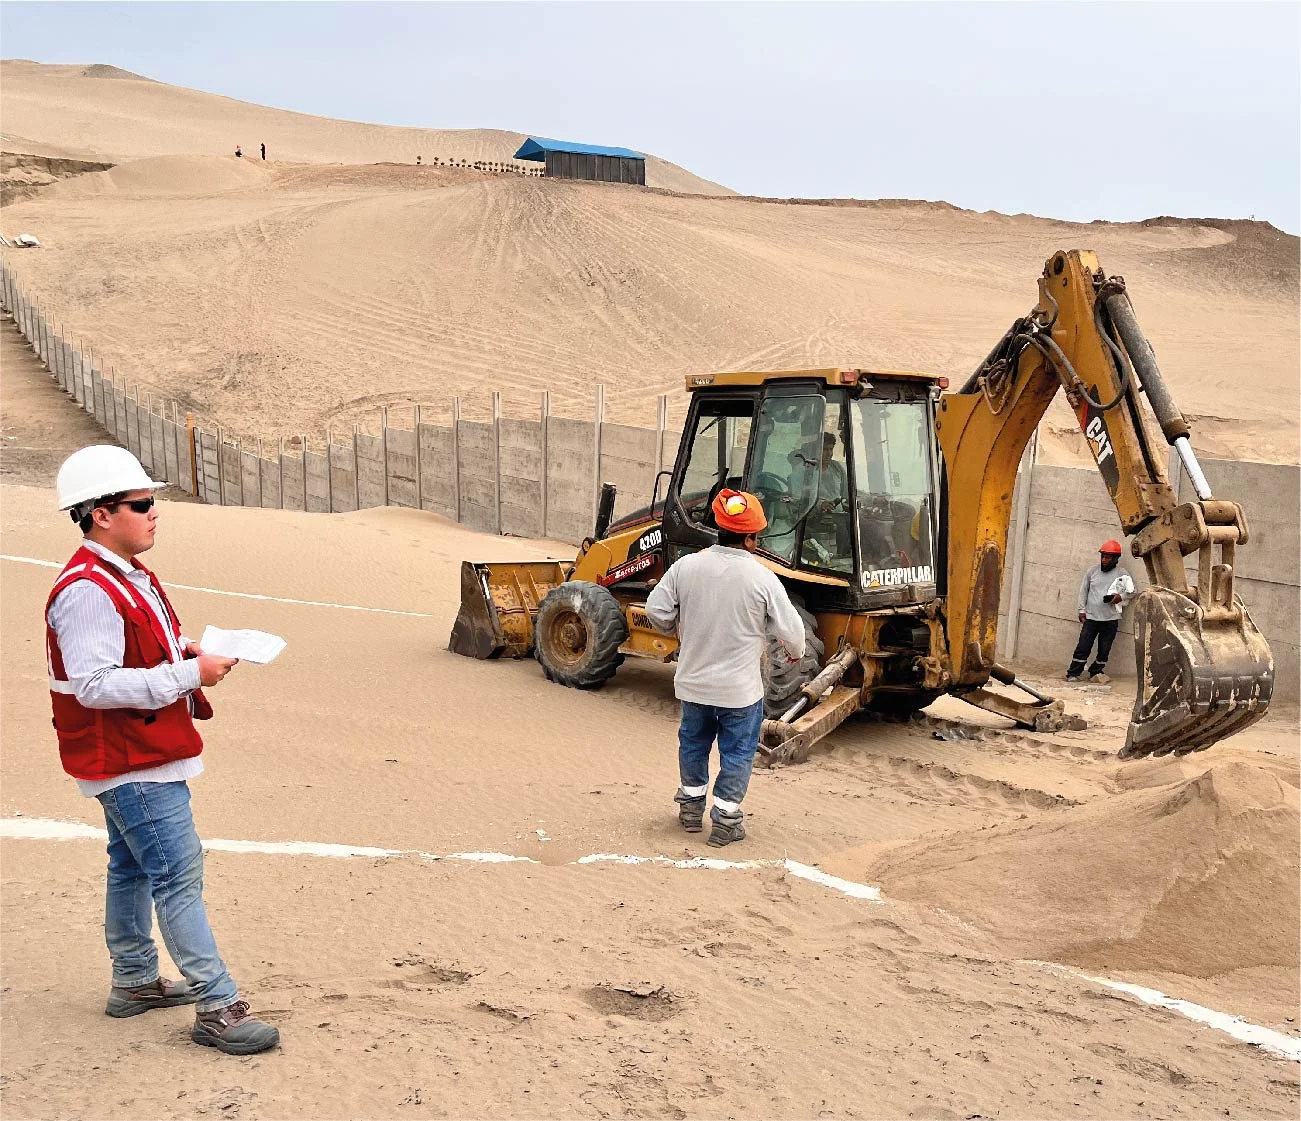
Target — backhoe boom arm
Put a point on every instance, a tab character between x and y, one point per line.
1205	671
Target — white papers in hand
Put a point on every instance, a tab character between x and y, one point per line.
248	646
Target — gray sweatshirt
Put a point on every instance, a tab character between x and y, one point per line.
1097	584
724	604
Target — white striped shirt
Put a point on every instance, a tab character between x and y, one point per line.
92	641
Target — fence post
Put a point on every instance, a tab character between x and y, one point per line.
545	420
420	489
597	425
221	469
356	470
304	450
280	469
1021	521
259	472
329	469
194	451
661	423
383	435
496	451
456	456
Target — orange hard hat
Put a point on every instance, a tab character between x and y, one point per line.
1112	547
738	512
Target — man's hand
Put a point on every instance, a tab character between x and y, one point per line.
193	650
1082	616
1111	599
213	667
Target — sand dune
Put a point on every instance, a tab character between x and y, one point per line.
102	112
284	300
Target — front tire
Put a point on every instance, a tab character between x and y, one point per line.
783	679
577	634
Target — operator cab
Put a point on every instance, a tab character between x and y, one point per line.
844	462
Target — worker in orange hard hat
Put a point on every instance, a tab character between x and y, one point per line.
1104	591
727	609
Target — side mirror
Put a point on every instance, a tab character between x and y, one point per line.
605	510
655	495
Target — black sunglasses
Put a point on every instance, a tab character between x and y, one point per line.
139	505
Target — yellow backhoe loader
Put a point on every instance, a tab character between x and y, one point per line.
888	502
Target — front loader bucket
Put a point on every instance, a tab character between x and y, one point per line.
498	603
1203	675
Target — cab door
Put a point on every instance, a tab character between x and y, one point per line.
712	456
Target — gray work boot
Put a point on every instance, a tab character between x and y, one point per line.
159	993
233	1030
725	832
1100	679
691	815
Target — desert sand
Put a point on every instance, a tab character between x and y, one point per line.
928	919
283	298
1011	869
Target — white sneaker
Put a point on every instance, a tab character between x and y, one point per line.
1100	679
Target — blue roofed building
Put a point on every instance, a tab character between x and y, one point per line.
566	160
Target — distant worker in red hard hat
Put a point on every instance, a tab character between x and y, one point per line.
725	606
1104	591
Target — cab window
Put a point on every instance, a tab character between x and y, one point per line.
716	455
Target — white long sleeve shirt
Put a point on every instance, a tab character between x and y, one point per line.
1096	584
724	604
93	643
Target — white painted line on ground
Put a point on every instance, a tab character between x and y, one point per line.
247	595
1274	1042
794	867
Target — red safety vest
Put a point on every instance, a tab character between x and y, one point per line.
100	743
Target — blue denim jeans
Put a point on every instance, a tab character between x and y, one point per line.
737	731
154	856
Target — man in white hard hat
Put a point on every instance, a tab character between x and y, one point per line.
126	688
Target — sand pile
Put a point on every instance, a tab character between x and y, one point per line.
1197	877
167	175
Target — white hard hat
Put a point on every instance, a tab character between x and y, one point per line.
99	470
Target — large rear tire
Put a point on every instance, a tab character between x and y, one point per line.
782	678
577	634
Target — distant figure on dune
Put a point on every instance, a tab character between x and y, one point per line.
417	161
264	151
239	152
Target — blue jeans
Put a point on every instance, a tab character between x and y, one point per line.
154	855
737	731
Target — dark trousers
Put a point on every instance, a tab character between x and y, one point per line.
1105	633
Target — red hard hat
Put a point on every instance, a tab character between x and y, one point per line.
1112	547
738	512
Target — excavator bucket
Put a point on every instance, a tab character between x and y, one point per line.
498	603
1203	675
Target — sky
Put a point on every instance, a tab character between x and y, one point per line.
1118	111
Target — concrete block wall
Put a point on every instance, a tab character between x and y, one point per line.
571	484
630	459
520	456
477	475
1267	570
400	453
437	472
